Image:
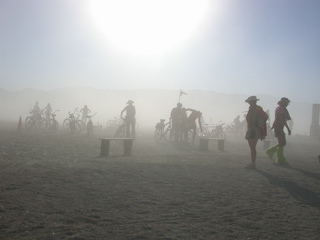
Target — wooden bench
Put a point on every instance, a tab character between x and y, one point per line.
204	143
266	143
105	144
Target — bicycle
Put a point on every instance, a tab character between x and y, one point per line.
114	123
34	120
51	123
218	131
164	131
161	132
72	123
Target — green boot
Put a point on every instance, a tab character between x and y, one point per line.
280	157
271	151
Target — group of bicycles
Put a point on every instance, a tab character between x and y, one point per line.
164	131
72	123
39	121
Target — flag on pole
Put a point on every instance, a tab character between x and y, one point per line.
182	93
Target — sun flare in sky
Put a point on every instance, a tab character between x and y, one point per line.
148	26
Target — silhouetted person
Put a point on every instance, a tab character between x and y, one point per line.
37	110
183	123
85	110
237	125
130	118
47	111
191	122
175	116
281	117
254	132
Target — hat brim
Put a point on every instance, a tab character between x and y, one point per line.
252	100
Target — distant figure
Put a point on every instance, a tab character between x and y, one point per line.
175	116
191	122
237	125
254	132
37	110
130	118
85	111
281	117
47	111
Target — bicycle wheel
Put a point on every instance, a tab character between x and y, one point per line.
77	127
29	122
54	125
168	135
66	124
42	124
158	134
120	131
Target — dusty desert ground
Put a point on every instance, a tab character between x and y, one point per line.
54	186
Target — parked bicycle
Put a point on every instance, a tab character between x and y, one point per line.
163	131
33	121
114	123
217	131
72	123
51	123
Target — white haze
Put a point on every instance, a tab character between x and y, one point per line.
151	105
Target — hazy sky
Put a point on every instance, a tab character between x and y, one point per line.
249	47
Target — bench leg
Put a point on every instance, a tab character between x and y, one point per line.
203	144
127	145
221	145
105	147
266	144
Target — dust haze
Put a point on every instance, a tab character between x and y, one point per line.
151	105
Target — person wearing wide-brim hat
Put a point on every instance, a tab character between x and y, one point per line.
281	117
130	119
254	132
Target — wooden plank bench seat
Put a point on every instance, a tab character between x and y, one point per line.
204	143
105	144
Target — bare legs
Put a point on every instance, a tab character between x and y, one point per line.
252	145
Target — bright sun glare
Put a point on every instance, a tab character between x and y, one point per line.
148	26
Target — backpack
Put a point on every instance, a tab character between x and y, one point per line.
262	118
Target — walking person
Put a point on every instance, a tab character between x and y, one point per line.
255	130
281	117
130	118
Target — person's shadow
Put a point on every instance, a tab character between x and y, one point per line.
301	194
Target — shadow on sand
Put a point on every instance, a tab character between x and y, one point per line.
301	194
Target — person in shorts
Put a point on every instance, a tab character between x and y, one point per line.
254	132
281	117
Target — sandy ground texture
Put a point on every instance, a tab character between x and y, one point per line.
54	186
